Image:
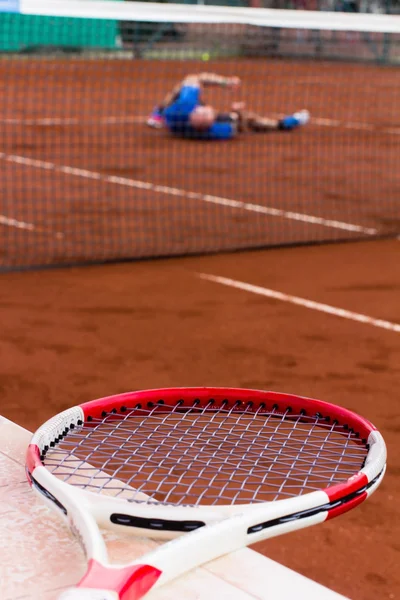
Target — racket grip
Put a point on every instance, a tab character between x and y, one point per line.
88	594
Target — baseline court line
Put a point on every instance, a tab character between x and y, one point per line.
14	223
10	222
49	121
177	192
120	120
349	125
325	308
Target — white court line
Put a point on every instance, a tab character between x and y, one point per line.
114	120
348	125
10	222
14	223
325	308
360	126
393	130
326	122
177	192
49	121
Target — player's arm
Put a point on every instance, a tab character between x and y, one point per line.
197	81
212	79
189	81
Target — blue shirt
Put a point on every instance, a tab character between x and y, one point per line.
177	118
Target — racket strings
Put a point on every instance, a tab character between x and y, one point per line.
109	441
207	455
340	459
318	461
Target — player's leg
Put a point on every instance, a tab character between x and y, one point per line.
259	124
177	115
250	121
253	122
222	126
156	119
295	120
225	127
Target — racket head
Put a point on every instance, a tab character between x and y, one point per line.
169	461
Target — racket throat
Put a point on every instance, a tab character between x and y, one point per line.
130	583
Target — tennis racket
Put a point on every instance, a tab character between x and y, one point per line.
225	467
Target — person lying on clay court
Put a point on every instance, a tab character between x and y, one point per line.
185	114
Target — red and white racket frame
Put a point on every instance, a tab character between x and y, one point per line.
86	511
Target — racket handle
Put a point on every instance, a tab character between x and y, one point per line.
88	594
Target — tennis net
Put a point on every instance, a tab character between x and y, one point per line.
84	179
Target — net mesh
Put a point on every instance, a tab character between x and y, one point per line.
84	179
205	455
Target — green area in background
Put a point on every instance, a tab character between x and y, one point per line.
21	32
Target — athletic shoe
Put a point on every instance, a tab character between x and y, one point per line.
296	120
156	119
303	116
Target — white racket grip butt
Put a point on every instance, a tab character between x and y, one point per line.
88	594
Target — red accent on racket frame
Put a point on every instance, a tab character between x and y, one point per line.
32	460
341	490
340	510
230	396
130	583
350	486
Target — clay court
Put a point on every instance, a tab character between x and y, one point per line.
84	185
87	181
